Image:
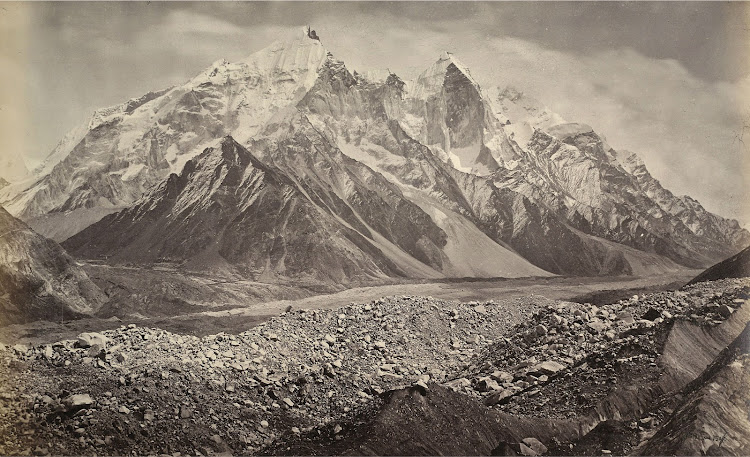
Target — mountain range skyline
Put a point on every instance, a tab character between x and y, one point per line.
649	99
421	178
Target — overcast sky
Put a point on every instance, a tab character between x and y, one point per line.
670	81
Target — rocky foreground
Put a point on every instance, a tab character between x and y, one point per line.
528	376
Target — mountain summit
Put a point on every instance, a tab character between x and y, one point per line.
289	164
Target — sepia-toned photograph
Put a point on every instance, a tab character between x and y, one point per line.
374	228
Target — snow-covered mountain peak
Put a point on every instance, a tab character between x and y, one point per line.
630	161
516	106
431	80
300	55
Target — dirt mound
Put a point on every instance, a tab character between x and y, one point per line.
737	266
427	420
413	421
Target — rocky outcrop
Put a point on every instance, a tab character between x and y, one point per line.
38	279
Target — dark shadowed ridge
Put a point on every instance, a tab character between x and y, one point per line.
737	266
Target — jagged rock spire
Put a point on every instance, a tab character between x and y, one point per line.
311	34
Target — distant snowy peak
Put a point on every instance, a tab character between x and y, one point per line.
298	59
517	107
431	81
631	162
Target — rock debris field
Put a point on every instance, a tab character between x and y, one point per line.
136	390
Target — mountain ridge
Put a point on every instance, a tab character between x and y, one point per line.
556	193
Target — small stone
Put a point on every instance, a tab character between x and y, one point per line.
288	402
597	326
501	376
549	367
487	384
626	318
422	386
535	445
78	401
498	397
337	429
89	339
458	384
725	311
185	412
124	409
264	423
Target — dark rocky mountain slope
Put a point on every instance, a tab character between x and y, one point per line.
38	279
737	266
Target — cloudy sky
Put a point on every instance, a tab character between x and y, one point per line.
670	80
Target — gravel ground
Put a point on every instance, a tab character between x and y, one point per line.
137	390
302	370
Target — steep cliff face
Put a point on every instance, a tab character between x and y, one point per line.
444	109
428	170
38	279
